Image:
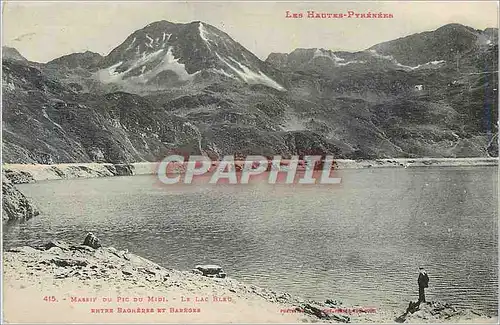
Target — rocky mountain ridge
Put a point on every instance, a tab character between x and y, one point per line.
191	88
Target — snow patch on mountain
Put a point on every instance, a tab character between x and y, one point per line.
52	121
485	40
151	40
420	65
327	54
109	75
407	66
249	76
380	56
203	34
9	85
337	61
224	73
169	62
293	123
144	59
131	44
166	38
393	60
350	62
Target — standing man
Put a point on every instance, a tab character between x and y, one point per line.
423	282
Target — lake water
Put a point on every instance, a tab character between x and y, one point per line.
360	242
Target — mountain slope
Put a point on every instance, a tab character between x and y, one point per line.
413	70
12	53
72	127
451	43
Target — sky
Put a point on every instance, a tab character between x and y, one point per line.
42	31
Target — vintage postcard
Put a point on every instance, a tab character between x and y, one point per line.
249	162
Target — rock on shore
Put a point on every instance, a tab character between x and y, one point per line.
16	206
438	312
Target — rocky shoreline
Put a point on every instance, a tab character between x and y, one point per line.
28	173
70	283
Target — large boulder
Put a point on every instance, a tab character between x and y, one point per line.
91	241
317	311
18	176
16	206
124	169
437	312
56	243
213	271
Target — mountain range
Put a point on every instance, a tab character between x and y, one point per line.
192	89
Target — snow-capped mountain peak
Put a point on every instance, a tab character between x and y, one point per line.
165	52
